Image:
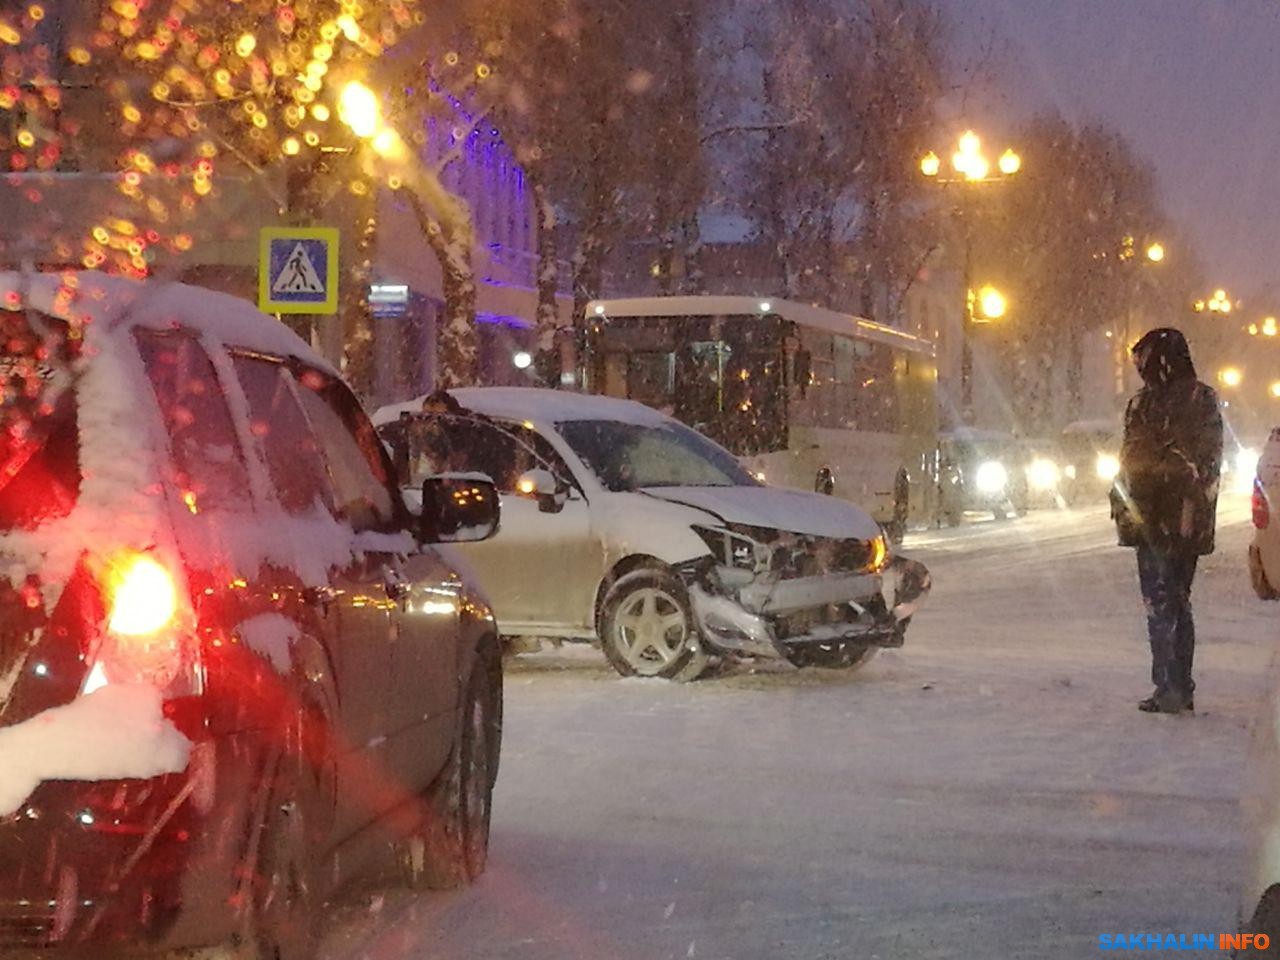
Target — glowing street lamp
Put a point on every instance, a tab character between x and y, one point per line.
1218	303
1231	376
1010	163
1275	389
358	109
969	162
1155	252
970	166
992	304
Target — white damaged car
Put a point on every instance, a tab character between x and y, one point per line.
624	527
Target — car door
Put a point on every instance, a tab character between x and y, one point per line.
360	614
411	665
541	570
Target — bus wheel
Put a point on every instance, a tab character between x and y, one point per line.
647	628
830	656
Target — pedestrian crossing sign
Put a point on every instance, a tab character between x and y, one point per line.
298	270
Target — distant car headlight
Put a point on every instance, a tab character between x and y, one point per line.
1246	469
1070	471
1043	474
991	477
1108	466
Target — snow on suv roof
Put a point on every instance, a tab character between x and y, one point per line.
105	300
531	403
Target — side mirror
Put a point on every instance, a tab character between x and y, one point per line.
824	481
458	508
541	485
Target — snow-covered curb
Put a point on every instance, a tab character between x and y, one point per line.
116	732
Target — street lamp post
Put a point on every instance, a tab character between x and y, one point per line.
970	167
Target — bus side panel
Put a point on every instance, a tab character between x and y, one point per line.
865	465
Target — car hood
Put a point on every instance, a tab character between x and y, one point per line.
795	511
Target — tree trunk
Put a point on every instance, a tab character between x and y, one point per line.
451	238
593	248
547	316
357	323
1075	372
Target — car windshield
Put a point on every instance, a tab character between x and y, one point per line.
631	456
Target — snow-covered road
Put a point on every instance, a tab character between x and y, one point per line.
989	791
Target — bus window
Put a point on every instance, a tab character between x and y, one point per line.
719	375
877	388
818	404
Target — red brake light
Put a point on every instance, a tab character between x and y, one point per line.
142	597
146	639
1261	508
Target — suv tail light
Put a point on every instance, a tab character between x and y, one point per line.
1261	508
148	637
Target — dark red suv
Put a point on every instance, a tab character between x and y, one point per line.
228	652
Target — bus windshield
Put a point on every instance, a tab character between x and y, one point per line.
721	375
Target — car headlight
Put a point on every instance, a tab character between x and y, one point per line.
1070	471
878	556
1246	468
1108	466
732	549
1043	474
991	477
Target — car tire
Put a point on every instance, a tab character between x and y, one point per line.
831	656
282	899
450	849
647	628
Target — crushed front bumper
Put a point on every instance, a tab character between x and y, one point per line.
764	619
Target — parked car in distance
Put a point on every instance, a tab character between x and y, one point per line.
983	471
623	526
1089	460
228	653
1042	472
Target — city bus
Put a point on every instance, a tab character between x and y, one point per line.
806	397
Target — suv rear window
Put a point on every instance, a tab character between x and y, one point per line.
208	465
39	440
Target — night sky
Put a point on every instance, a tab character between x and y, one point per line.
1193	84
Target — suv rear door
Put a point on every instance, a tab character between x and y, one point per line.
415	594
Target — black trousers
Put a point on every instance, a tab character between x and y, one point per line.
1165	575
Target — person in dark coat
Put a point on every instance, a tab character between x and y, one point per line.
1165	500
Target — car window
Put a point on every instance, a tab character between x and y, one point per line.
449	443
39	436
357	465
281	430
208	464
535	450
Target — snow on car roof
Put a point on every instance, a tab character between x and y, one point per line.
158	304
803	314
532	403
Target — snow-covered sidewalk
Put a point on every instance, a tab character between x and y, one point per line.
989	791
